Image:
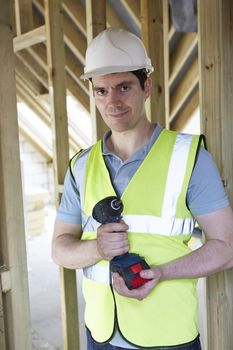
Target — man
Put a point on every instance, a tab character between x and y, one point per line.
166	181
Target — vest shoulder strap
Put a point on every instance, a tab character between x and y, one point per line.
201	142
75	157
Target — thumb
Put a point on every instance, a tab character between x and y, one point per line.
153	273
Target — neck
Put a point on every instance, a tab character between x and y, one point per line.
126	143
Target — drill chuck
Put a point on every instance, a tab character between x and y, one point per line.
108	209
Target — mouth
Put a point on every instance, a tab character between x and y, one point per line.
118	114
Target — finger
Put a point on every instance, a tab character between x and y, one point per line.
116	240
138	293
152	273
109	249
114	227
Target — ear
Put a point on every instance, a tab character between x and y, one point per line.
147	87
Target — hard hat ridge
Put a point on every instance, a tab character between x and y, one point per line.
115	50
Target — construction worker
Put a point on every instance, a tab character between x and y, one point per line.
167	181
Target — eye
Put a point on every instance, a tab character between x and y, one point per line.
124	88
101	92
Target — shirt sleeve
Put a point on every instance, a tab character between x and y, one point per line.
69	210
206	192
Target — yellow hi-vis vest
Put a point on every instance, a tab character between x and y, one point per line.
160	226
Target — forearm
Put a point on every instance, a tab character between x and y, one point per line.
202	262
71	253
214	256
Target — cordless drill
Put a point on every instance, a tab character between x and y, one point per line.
128	265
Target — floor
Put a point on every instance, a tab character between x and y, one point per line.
45	293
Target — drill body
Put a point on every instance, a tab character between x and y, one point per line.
128	265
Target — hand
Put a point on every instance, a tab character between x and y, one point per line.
138	293
112	239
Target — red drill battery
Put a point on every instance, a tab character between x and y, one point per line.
129	266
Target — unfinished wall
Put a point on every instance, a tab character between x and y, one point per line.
38	187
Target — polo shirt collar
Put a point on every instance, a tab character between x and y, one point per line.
140	154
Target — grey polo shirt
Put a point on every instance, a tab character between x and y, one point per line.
205	192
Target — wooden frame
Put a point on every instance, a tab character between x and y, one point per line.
12	251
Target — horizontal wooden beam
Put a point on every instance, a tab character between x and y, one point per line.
28	39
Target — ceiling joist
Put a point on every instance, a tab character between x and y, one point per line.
77	14
29	39
133	9
181	53
30	80
31	64
35	141
184	89
26	95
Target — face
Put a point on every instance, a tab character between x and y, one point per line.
120	100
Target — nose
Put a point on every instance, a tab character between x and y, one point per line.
113	97
114	103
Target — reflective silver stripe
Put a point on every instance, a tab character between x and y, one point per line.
150	224
176	174
145	224
97	273
79	171
156	225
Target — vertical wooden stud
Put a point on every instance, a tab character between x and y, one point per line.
96	22
12	235
23	16
155	25
215	23
57	91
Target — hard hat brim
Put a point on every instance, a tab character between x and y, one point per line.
114	69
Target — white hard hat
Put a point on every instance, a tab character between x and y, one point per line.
113	51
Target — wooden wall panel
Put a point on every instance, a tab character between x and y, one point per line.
216	86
